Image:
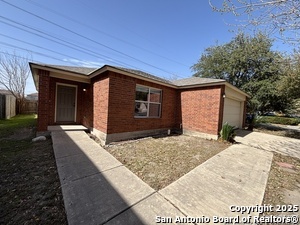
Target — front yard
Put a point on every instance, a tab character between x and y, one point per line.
162	160
283	185
30	190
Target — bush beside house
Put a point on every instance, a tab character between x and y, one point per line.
278	120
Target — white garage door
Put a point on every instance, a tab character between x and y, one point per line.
232	112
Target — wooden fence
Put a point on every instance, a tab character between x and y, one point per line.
30	106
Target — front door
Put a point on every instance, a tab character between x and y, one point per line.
65	103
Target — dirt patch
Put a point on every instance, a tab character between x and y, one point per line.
283	185
22	133
161	161
30	191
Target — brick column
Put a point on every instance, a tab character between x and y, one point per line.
43	106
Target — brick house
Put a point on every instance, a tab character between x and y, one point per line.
118	103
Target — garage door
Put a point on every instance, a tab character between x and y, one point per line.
232	112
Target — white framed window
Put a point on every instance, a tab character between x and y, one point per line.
147	102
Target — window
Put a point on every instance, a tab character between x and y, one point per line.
147	102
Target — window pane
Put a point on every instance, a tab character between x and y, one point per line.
154	110
141	94
142	89
141	109
155	95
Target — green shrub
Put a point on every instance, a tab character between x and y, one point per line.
278	120
227	132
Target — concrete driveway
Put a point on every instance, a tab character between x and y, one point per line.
268	142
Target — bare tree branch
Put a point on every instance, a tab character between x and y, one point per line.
274	16
14	72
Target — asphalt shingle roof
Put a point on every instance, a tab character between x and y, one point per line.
195	81
179	83
144	74
74	69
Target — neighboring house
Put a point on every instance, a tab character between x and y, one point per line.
118	103
7	104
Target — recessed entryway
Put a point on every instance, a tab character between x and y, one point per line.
65	103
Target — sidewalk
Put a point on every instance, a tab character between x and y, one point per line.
283	145
98	189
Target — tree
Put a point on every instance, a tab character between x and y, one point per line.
290	82
247	63
275	16
14	72
265	96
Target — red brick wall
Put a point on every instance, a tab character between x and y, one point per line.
47	95
43	106
108	105
100	102
200	109
121	106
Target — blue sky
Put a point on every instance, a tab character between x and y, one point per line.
164	38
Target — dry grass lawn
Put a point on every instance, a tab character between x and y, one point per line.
283	187
160	161
30	191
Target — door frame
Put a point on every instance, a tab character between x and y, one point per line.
68	85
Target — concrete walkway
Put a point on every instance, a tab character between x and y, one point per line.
268	142
98	189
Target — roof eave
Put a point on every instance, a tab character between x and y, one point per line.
116	70
54	69
34	75
71	74
214	84
201	85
